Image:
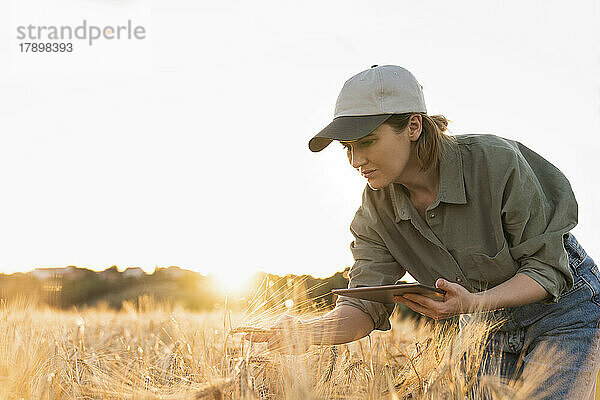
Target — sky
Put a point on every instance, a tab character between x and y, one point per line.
189	147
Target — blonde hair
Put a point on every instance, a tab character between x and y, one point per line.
429	145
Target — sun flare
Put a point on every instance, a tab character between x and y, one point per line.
232	281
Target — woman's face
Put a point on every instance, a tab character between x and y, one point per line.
384	156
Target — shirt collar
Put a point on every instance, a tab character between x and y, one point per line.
451	187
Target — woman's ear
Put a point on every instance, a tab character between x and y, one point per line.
415	125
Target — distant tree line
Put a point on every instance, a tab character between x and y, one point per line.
71	286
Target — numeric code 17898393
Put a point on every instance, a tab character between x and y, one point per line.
46	47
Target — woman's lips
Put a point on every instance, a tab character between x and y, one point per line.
369	173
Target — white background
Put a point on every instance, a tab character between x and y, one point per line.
189	148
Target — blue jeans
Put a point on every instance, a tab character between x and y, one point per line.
562	339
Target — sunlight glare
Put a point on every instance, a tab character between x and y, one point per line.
232	282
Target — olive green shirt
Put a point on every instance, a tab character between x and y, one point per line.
501	209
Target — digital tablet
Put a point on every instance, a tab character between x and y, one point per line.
386	293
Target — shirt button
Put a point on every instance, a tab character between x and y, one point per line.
432	215
459	280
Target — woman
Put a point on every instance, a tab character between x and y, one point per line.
484	218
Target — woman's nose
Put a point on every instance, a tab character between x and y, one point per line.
356	159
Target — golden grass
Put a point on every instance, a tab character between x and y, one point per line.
154	352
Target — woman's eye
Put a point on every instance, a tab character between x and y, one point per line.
364	143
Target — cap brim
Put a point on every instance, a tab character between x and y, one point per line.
346	129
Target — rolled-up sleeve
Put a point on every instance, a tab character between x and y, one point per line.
538	208
373	265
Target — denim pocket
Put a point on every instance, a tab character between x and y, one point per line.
591	276
583	266
576	286
574	250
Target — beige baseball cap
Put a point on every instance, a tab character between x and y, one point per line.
367	100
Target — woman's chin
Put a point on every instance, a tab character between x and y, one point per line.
376	184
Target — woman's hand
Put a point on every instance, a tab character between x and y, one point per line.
289	335
457	300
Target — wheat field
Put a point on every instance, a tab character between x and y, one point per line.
153	351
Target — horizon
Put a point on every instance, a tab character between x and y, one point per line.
150	272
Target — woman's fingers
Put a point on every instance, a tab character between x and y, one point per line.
457	300
449	287
255	334
258	337
415	306
422	300
288	335
434	312
274	343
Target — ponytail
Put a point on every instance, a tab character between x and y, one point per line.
429	145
